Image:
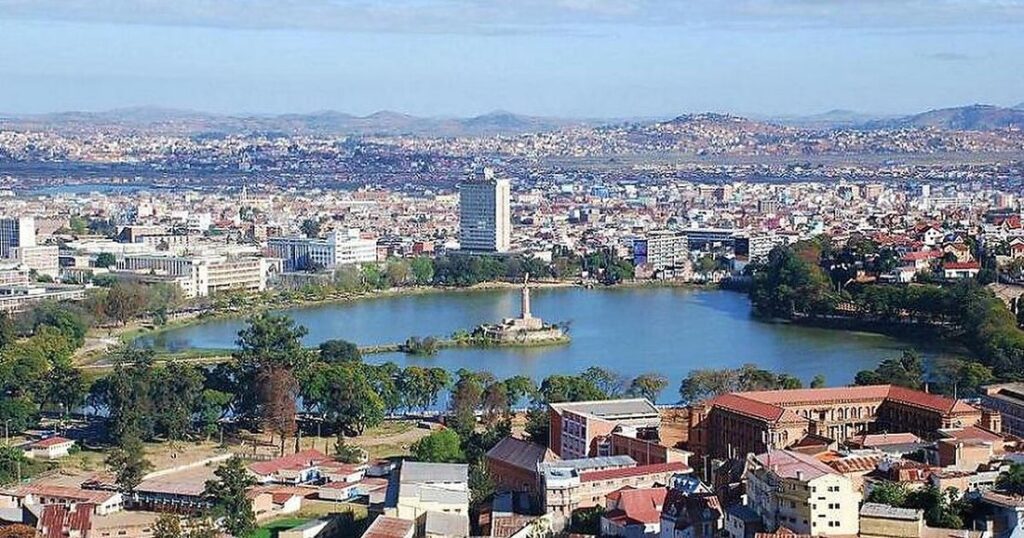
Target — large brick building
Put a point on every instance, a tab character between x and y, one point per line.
736	424
583	429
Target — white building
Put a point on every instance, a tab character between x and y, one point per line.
43	259
16	232
485	216
51	448
340	248
200	276
796	491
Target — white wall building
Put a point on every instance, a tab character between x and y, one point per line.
340	248
796	491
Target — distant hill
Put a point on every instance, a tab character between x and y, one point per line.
384	122
965	118
833	119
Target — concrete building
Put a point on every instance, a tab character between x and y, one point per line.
199	276
884	521
339	248
569	485
660	250
39	258
798	492
16	232
434	495
1007	399
20	297
485	215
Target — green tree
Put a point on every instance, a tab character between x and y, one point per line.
339	351
168	526
269	355
565	388
343	396
397	273
818	382
648	385
129	464
227	494
1012	479
310	227
12	460
442	446
105	259
888	493
422	269
125	301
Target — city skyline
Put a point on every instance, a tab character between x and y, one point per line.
582	59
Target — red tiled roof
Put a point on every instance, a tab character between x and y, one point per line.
961	265
388	527
298	460
50	441
637	505
748	406
768	405
611	474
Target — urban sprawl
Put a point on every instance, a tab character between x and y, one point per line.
108	233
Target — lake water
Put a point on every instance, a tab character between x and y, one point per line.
629	330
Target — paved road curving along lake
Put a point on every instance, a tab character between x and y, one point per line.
629	330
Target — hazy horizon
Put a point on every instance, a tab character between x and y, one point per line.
582	59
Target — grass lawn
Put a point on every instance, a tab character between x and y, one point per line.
270	530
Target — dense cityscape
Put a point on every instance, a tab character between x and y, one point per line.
667	296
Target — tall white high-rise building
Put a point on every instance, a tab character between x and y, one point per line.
485	218
16	232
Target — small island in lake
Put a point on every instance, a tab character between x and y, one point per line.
526	330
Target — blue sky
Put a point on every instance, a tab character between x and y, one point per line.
582	58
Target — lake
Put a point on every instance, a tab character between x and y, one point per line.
629	330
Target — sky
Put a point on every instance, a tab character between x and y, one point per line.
565	58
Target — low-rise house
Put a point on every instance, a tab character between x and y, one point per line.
741	521
512	464
51	448
883	521
960	270
633	513
298	468
699	515
420	489
390	527
101	502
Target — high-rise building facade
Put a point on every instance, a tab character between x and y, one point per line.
485	217
16	232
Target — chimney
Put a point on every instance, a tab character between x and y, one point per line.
800	476
991	421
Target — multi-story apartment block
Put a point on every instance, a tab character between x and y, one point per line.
339	248
569	485
16	232
485	216
798	492
660	249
